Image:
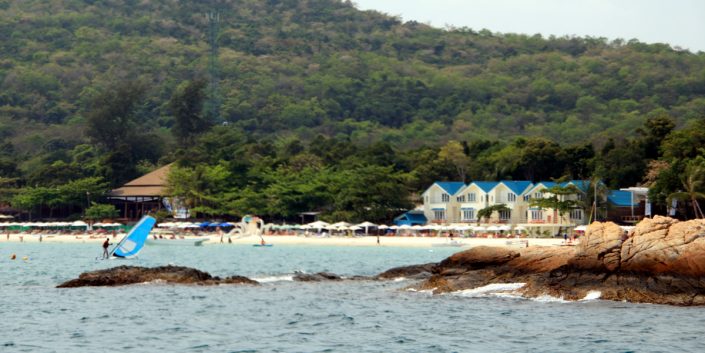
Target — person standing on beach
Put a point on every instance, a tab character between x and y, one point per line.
106	244
377	239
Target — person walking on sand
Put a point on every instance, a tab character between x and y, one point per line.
377	239
106	244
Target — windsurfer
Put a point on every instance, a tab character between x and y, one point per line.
106	244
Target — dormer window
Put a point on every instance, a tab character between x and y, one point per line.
472	197
445	198
511	197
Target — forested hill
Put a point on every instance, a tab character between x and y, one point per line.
296	65
312	69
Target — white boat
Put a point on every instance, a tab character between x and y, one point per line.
177	242
455	243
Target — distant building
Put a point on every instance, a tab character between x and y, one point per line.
627	206
143	195
439	204
411	218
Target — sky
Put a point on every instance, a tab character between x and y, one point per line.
680	23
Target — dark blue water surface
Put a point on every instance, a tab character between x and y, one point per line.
285	316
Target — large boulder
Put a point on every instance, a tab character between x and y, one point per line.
600	248
664	245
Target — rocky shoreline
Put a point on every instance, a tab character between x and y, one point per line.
662	261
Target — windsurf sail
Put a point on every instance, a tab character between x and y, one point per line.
131	245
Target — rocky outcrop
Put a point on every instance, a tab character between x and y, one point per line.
661	261
410	272
124	275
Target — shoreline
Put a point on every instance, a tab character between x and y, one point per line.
365	241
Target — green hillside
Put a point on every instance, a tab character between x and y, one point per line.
94	88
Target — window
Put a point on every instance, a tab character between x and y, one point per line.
439	215
538	195
527	198
511	197
460	198
576	214
445	198
471	197
468	215
505	215
581	196
536	214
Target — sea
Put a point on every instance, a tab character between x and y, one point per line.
286	316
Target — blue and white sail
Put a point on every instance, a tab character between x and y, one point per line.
131	245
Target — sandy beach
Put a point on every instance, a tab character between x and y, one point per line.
388	241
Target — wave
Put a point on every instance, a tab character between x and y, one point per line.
493	289
271	279
592	295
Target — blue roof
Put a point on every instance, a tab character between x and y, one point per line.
451	187
485	186
547	184
582	185
517	186
416	216
621	198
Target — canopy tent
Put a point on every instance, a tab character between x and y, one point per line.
581	228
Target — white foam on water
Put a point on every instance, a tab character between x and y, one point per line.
399	279
549	299
592	295
493	289
270	279
424	291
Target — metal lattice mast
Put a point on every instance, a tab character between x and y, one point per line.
213	104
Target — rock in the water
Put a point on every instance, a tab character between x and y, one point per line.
661	261
317	277
124	275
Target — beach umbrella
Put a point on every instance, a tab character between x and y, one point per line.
366	225
479	228
341	224
581	228
79	224
492	229
318	225
505	228
394	227
226	224
204	224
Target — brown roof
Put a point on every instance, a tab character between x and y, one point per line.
151	184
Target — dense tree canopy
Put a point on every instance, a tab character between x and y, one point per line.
317	97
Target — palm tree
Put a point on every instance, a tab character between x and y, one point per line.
693	183
595	193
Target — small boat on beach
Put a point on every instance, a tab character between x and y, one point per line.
177	242
454	243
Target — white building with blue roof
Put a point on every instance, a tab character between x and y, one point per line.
439	202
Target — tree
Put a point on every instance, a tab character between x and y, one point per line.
558	199
186	105
488	211
454	153
693	182
112	114
100	211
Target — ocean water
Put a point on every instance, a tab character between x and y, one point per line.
286	316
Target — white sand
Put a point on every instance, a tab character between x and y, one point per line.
311	240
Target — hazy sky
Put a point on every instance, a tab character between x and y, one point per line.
676	22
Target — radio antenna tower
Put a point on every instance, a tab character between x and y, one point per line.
213	103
